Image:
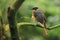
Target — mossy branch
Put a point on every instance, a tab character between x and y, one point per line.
37	25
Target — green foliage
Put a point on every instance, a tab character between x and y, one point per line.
51	9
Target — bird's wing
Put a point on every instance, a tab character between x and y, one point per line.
44	16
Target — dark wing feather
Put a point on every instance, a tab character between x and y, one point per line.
39	16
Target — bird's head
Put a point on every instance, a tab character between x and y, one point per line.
34	9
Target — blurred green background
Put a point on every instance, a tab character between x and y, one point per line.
51	9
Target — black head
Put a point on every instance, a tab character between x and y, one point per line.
35	8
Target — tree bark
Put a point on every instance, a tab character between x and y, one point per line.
1	36
11	19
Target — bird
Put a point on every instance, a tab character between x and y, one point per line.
39	16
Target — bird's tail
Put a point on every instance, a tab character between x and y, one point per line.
45	28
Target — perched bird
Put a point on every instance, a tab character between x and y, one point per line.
38	16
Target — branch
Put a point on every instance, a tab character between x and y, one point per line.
53	27
35	24
17	4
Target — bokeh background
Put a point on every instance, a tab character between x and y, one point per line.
51	9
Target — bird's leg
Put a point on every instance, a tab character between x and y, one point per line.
42	25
